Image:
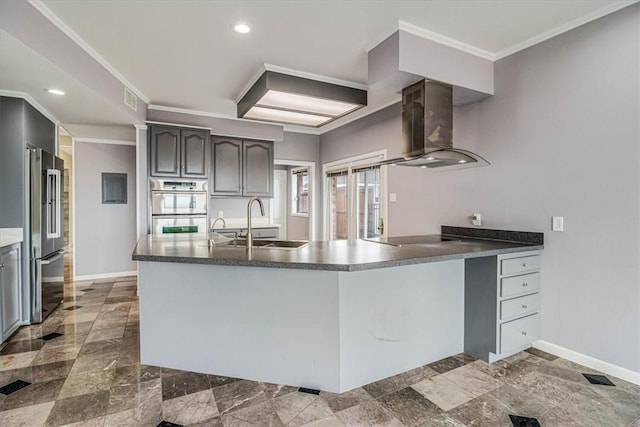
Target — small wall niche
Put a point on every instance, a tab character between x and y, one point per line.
114	188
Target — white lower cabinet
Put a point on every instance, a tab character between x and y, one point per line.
10	290
502	304
518	333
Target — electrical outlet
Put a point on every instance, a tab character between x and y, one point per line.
220	214
393	197
476	219
557	223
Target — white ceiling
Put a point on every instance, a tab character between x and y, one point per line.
185	54
24	71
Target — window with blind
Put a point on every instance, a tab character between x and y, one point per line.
338	204
300	179
368	219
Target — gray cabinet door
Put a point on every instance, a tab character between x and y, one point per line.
165	151
195	153
258	168
10	300
226	164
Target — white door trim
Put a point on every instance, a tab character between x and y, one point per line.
312	190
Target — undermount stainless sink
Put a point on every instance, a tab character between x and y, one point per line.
427	240
269	244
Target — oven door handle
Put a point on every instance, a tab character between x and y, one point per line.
52	259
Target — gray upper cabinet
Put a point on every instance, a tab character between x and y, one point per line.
195	153
165	151
177	152
257	168
226	161
241	168
10	290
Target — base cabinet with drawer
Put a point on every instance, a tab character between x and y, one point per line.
10	290
502	304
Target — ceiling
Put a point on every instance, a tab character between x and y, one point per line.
24	71
185	54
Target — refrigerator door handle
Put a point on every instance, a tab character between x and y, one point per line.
52	259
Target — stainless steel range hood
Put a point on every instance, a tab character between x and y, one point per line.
427	130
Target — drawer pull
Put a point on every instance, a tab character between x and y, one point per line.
524	264
524	306
525	284
524	333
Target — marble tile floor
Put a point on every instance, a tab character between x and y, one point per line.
81	367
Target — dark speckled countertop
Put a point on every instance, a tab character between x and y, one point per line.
338	255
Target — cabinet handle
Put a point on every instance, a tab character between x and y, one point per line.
1	265
524	306
524	264
525	284
524	333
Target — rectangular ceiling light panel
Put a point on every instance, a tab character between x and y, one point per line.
283	98
303	103
284	116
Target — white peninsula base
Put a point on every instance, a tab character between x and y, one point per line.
327	330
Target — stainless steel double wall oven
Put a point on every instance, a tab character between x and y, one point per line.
179	207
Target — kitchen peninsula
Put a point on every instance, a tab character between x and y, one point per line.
336	315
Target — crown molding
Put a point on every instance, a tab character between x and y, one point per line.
444	40
610	8
349	119
32	101
62	26
105	141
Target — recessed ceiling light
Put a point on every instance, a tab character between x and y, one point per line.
55	91
423	167
462	161
241	28
429	158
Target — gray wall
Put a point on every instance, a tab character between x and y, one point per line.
105	234
562	135
20	124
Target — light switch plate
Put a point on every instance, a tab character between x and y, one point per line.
220	214
476	219
393	197
557	223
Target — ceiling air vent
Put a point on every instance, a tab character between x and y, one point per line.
130	99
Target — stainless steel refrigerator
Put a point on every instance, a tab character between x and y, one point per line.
46	245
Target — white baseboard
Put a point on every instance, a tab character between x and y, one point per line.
105	275
589	362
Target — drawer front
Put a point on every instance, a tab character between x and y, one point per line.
519	284
520	265
520	306
519	332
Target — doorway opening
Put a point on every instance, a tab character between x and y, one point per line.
65	151
293	204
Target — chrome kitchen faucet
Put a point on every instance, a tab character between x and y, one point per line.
249	236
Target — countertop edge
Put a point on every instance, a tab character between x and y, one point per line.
333	267
10	236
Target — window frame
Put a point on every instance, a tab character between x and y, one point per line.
295	174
